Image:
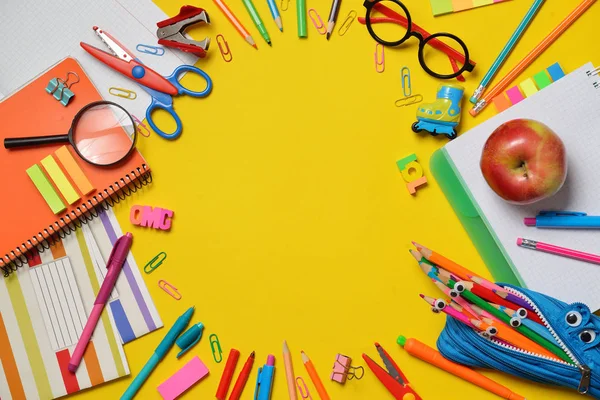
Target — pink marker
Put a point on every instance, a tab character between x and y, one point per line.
561	251
114	266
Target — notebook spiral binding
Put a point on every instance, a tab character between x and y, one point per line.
74	219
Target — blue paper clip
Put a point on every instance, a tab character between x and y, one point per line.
155	262
146	48
215	347
405	77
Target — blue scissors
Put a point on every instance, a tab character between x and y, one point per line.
160	88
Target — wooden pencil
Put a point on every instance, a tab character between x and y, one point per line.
444	262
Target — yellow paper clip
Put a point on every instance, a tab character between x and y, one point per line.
224	53
405	78
317	21
215	347
347	22
167	287
287	5
124	93
407	101
379	61
141	127
155	262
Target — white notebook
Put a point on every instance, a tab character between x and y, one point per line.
571	107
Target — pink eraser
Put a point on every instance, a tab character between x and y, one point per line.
183	379
529	221
519	241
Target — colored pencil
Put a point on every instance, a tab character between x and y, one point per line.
275	14
539	329
511	336
448	311
235	22
257	20
289	372
482	313
559	251
314	377
462	302
514	299
531	57
514	39
444	262
333	15
485	283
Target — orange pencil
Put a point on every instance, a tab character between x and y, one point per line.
422	351
314	377
443	262
535	53
235	22
511	336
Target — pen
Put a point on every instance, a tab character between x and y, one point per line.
563	220
275	14
289	372
264	380
301	18
314	377
257	21
333	14
160	353
560	251
240	383
117	258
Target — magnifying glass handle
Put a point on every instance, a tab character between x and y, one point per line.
10	143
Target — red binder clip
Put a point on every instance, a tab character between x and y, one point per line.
171	31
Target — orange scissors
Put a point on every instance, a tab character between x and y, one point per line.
393	379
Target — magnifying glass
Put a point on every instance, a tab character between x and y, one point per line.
102	133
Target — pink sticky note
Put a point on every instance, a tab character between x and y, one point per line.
515	95
183	379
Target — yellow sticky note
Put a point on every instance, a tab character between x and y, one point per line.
60	179
528	87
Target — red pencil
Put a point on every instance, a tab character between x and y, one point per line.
240	383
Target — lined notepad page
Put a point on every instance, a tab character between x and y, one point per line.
571	107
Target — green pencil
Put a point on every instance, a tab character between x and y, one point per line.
525	331
257	21
301	14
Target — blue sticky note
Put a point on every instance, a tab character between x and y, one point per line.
556	72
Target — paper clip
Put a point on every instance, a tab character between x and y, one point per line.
141	127
407	101
347	22
287	5
154	50
224	53
155	262
215	347
166	286
343	370
379	61
124	93
302	388
317	21
405	78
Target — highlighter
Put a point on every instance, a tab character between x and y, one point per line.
264	381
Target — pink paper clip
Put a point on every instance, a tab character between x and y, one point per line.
303	388
317	21
224	51
167	287
141	127
379	61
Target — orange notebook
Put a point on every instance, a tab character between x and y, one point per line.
25	215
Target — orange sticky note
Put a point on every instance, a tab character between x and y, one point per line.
74	170
501	102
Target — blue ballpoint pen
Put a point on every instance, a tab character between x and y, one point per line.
160	353
564	220
264	380
275	14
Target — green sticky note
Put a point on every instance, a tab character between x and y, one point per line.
439	7
60	179
45	188
542	79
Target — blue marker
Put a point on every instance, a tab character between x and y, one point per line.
160	353
264	381
564	220
275	14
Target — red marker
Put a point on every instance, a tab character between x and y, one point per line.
240	383
232	360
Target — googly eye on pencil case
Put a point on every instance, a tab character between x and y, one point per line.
573	327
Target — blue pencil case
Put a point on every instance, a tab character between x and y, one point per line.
574	328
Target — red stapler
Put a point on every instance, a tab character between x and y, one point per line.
170	31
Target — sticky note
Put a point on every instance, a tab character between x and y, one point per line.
60	179
460	5
501	102
439	7
542	79
528	87
556	72
74	170
46	189
479	3
183	379
514	94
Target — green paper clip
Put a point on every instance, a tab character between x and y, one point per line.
215	347
155	262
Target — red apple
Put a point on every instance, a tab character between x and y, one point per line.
524	161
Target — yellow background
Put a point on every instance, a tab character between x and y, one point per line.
291	218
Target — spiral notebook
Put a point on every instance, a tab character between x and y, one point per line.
24	211
570	107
